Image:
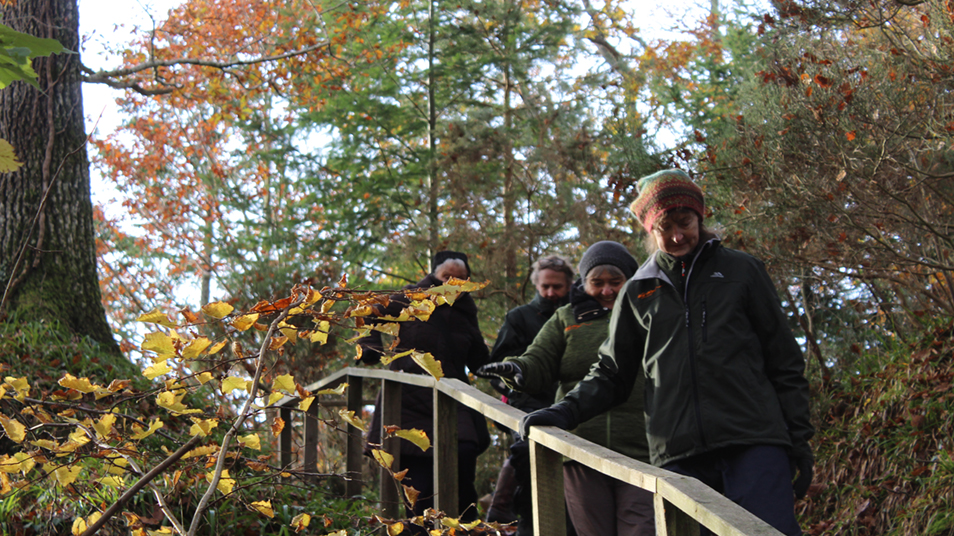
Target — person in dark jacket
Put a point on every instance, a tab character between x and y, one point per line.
551	276
726	396
452	335
563	351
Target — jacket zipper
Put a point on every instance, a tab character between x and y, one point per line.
705	332
692	353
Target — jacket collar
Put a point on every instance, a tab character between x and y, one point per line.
651	269
585	307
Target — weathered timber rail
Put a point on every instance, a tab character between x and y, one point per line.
681	503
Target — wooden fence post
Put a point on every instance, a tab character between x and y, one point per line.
390	415
355	445
285	438
445	454
549	506
671	521
311	443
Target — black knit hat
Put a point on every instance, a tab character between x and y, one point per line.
442	256
608	252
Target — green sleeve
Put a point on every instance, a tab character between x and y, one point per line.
541	362
611	379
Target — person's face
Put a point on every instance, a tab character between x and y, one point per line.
552	285
451	270
604	286
677	233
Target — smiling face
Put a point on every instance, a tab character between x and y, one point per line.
677	233
603	283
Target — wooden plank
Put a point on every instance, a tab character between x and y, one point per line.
390	415
355	444
285	439
445	455
546	481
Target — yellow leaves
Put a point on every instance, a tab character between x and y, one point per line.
157	369
244	322
156	317
429	364
204	378
8	158
112	481
320	335
195	348
418	437
160	343
207	450
105	425
251	441
274	398
305	403
300	522
383	458
264	508
82	385
232	383
80	524
202	427
139	433
395	528
225	484
339	390
217	310
454	523
172	401
350	417
284	383
14	429
20	385
20	462
67	474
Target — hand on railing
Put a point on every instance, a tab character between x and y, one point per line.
505	371
559	415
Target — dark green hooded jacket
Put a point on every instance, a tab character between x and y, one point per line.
722	366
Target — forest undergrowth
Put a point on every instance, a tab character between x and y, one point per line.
885	449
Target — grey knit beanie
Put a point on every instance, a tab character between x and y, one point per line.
608	252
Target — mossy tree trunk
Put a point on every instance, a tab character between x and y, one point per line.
47	241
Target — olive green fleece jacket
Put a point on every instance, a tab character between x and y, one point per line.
563	352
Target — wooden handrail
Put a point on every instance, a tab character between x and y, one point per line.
681	503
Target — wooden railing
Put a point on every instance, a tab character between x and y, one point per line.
681	503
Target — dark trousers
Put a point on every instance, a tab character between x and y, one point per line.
756	477
420	476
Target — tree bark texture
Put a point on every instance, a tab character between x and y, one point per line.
48	248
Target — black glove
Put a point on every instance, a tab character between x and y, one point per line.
802	470
559	415
507	371
520	460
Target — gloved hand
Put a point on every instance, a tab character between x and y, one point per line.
559	415
802	471
507	371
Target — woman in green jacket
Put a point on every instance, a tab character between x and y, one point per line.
563	353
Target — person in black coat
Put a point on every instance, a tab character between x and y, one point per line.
452	335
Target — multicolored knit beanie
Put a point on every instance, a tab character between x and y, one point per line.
663	191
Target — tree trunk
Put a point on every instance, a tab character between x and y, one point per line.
47	242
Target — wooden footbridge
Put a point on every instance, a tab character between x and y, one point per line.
681	503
